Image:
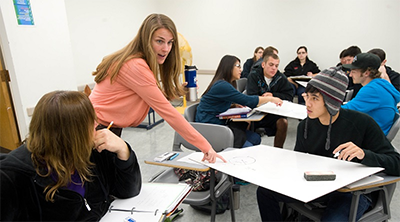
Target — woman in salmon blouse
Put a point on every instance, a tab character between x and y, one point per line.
145	74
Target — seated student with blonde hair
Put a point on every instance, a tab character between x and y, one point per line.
221	94
66	170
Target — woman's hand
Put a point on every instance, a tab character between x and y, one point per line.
211	156
106	140
277	101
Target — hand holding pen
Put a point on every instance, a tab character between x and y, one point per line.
106	140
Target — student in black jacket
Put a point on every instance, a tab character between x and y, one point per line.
300	66
265	80
387	72
66	171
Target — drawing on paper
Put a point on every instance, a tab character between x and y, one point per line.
242	160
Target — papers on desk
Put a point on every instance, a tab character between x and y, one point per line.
288	109
154	200
302	83
242	112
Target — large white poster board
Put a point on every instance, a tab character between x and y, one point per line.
283	170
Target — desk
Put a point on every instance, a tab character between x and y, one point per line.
179	163
283	170
253	118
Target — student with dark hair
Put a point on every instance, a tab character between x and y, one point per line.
377	98
301	66
327	130
387	72
66	170
349	55
258	52
221	94
266	80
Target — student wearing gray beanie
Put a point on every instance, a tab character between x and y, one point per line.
332	84
330	130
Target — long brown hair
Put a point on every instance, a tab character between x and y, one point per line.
140	47
224	71
61	137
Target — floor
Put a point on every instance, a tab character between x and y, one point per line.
147	143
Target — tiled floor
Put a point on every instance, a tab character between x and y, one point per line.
146	143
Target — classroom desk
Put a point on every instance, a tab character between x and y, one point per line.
182	161
283	170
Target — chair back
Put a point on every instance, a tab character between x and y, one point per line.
349	95
219	136
395	128
241	84
190	112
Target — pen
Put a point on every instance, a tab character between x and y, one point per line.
109	126
174	156
337	154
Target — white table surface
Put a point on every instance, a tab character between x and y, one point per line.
283	170
288	109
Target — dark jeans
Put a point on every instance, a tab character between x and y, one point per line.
338	205
252	139
300	90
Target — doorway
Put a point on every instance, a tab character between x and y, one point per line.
9	133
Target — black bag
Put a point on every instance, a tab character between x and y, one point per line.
201	182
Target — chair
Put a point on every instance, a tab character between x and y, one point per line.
348	95
395	128
190	112
241	84
152	122
220	137
380	207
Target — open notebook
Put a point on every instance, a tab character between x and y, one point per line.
154	202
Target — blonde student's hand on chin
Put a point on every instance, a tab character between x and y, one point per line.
211	156
106	140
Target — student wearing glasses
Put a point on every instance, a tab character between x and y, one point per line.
222	94
300	66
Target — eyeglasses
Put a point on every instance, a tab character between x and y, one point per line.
301	53
238	65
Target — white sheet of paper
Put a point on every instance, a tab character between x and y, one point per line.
288	109
283	170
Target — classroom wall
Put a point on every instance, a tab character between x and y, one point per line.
237	27
70	37
39	57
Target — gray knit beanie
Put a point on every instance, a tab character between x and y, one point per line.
332	84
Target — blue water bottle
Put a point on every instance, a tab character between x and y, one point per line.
190	77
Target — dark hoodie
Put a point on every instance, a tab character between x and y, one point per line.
22	189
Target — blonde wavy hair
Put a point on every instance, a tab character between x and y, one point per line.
140	47
61	138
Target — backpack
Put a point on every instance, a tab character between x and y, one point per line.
201	182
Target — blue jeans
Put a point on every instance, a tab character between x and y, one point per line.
252	139
338	205
300	90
